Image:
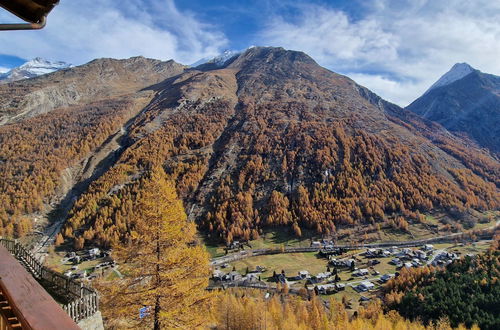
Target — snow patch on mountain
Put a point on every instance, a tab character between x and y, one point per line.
36	67
457	72
218	60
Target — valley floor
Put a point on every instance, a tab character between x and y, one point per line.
292	263
312	262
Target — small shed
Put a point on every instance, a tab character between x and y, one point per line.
94	252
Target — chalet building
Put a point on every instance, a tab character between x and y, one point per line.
218	275
386	277
395	261
325	289
428	247
260	269
323	276
365	286
361	272
281	278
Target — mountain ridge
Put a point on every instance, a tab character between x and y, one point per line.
78	84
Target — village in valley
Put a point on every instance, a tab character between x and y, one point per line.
85	265
353	275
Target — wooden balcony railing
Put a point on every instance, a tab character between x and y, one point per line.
82	300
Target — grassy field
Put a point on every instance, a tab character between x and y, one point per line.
291	263
269	239
432	220
474	248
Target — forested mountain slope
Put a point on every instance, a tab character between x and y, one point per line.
60	123
273	139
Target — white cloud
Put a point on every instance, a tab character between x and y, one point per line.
398	48
3	70
79	31
390	89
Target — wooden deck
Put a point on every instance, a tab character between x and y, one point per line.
27	300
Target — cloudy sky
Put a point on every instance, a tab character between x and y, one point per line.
397	48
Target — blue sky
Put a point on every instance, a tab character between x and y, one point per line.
397	48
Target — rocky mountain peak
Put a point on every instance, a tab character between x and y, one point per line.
276	56
457	72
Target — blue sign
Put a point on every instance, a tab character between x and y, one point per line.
143	312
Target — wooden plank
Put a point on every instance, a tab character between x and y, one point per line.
35	308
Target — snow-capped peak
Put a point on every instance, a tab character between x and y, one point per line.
218	60
39	66
458	71
33	68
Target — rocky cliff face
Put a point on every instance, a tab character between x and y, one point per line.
468	105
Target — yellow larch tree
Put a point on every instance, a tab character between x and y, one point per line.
163	268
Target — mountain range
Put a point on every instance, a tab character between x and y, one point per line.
268	138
